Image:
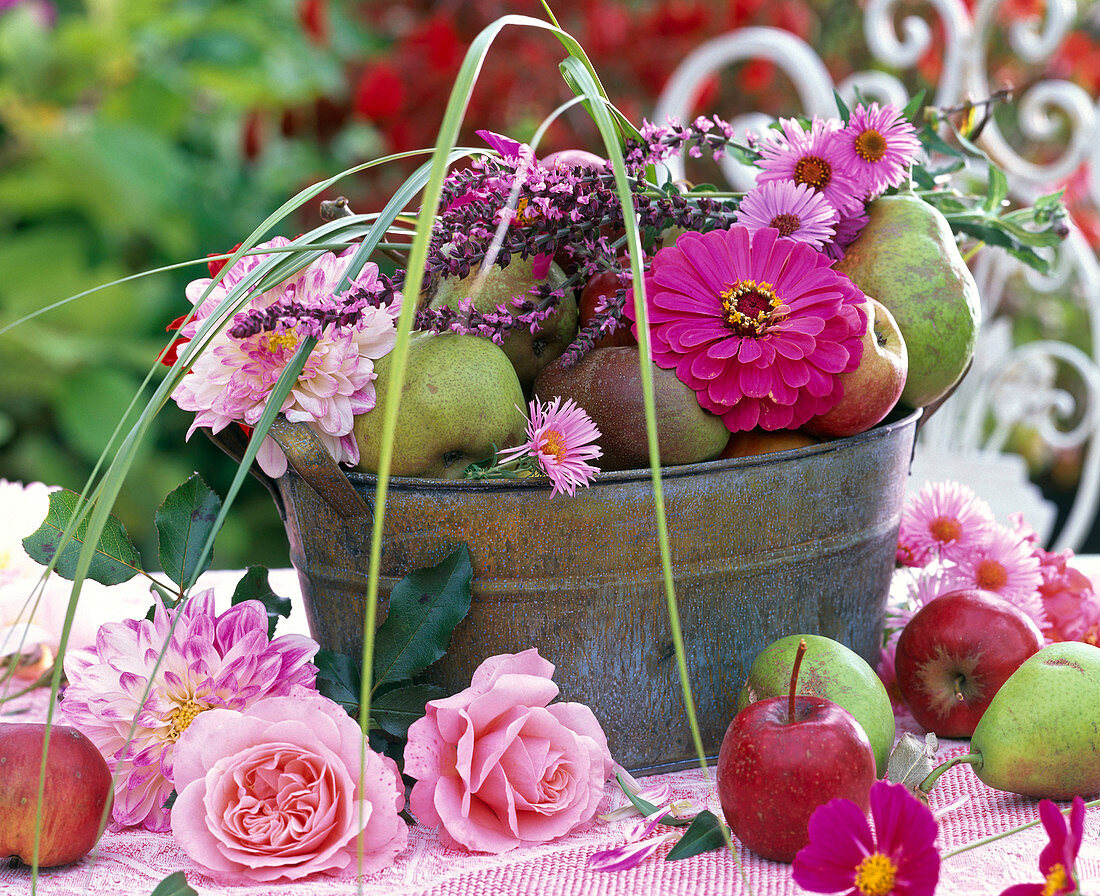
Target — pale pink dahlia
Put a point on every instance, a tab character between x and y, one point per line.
795	210
231	381
816	158
208	661
562	439
942	521
760	326
879	146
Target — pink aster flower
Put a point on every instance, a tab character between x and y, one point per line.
879	145
898	859
208	661
795	210
816	158
232	380
760	326
1071	604
1006	566
562	438
1057	860
942	520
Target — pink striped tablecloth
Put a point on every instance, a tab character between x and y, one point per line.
132	862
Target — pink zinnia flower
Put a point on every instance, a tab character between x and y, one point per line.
795	210
232	380
208	661
1071	604
942	520
758	325
815	158
1057	860
1006	566
844	856
561	437
879	145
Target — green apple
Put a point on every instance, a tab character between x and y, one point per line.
529	352
461	400
832	671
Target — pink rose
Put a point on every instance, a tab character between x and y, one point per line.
496	767
275	792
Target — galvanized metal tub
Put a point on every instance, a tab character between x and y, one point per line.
762	547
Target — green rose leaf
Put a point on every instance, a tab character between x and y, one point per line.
175	884
394	711
703	834
254	586
116	559
338	679
184	523
425	607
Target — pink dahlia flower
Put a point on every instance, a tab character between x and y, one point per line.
816	158
279	791
205	661
1071	604
795	210
760	326
233	378
879	146
562	439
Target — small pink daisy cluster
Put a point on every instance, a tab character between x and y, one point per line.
813	184
232	379
950	540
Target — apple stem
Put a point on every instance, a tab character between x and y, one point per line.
959	679
928	783
801	652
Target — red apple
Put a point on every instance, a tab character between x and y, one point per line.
874	387
763	441
954	655
598	286
783	757
78	785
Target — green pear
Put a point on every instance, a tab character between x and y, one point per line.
607	383
529	352
832	671
461	400
1040	735
907	258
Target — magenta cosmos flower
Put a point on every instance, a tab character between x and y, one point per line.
816	158
208	661
1058	857
233	378
942	521
843	856
879	145
562	439
795	210
760	326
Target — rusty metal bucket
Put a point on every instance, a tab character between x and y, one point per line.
762	547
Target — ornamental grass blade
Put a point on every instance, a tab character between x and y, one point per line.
184	520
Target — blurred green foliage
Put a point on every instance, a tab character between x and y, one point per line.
124	146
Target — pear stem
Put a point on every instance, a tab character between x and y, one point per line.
993	837
801	652
928	783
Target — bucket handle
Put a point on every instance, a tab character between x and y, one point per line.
307	456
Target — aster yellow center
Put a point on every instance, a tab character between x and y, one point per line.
875	875
813	170
182	716
990	575
1056	881
945	529
751	306
553	443
273	342
786	224
870	145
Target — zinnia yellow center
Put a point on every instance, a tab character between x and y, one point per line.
275	341
991	575
870	145
813	170
785	224
875	875
945	529
1056	881
182	716
751	306
553	443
